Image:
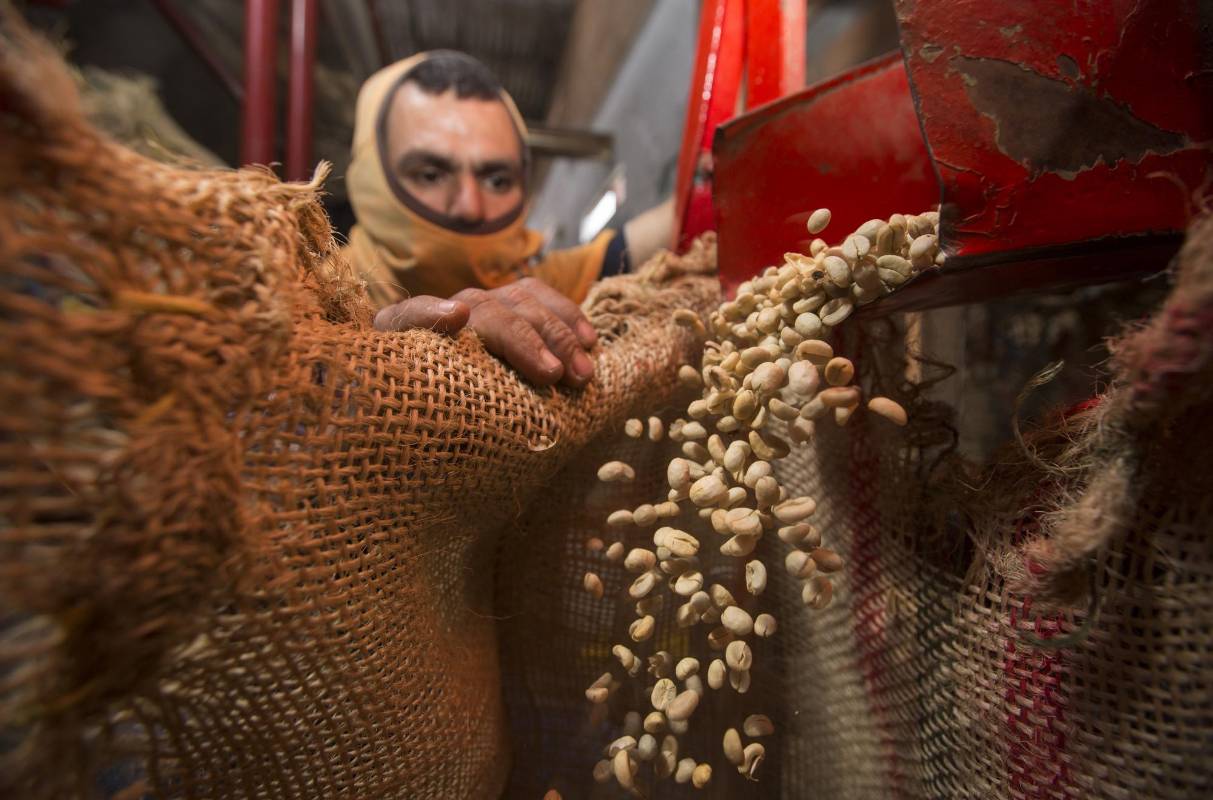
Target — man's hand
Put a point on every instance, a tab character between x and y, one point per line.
537	330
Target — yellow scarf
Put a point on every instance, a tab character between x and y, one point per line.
400	254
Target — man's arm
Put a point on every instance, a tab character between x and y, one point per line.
650	231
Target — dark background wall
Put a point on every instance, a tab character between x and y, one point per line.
124	35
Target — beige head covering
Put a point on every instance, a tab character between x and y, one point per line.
394	247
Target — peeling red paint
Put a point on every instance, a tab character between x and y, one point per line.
1048	125
1063	114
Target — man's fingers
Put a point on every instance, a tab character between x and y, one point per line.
568	311
525	323
508	335
559	338
424	311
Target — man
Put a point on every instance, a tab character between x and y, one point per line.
438	182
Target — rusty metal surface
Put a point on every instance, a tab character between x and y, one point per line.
852	144
1054	123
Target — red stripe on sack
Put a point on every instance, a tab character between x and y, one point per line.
1034	701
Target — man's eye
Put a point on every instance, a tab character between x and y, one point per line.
501	183
428	177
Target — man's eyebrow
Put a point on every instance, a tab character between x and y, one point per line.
427	158
497	165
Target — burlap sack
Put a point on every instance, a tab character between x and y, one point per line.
1038	626
248	543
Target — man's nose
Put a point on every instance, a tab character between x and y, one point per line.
468	204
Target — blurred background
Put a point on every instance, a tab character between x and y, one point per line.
602	83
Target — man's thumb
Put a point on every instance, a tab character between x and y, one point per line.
424	311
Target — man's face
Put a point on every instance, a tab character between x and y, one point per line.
459	157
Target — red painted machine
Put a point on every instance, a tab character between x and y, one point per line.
1067	143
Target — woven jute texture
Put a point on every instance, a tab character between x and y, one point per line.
1035	627
248	543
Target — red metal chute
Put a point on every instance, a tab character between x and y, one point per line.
776	164
1068	143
